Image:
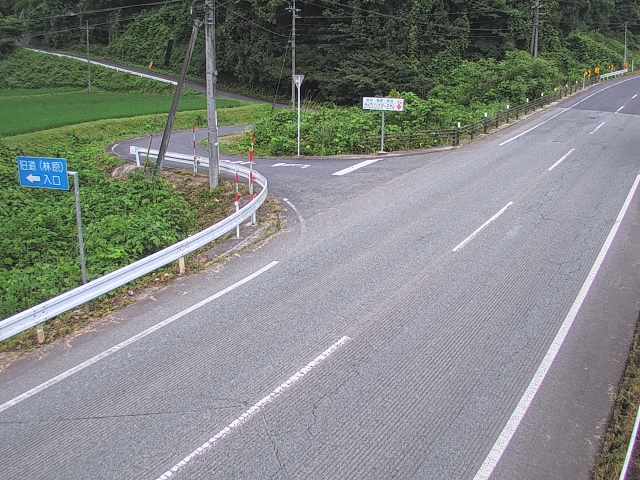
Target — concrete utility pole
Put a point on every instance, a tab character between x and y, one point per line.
536	29
212	81
166	135
294	13
88	62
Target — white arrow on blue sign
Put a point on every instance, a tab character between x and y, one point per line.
43	172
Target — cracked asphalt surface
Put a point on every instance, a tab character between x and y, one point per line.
442	344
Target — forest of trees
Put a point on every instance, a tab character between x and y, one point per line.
346	48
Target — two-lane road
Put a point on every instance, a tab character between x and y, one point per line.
456	315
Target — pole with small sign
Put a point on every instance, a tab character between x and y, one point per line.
46	173
298	79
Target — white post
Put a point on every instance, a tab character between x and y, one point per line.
382	134
298	120
298	81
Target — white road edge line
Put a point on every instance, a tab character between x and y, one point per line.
597	128
257	407
135	338
355	167
293	207
562	159
619	108
563	111
480	228
499	447
631	447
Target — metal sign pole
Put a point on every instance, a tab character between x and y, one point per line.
298	79
298	119
76	191
382	134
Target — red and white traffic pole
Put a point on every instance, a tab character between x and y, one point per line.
195	158
252	159
237	201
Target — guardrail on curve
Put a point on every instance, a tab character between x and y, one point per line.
80	295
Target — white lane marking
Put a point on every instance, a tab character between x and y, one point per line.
355	167
630	448
481	227
563	158
252	411
518	414
135	338
293	207
620	108
634	97
597	128
111	67
113	149
564	111
282	164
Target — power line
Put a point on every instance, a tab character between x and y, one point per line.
104	10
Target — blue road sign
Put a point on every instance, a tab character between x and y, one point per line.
43	172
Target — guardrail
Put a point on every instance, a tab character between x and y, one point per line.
78	296
617	73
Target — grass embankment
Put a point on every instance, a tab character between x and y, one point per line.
124	219
42	111
41	92
618	436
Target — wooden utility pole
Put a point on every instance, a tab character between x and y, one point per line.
166	135
535	34
88	62
294	14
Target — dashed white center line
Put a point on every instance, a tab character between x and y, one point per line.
135	338
634	97
480	228
561	159
256	408
597	128
620	108
355	167
509	430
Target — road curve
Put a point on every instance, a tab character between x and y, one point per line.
395	336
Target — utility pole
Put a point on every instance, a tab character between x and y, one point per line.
212	80
536	29
166	135
625	45
88	62
294	13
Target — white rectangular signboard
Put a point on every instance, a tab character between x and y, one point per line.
384	104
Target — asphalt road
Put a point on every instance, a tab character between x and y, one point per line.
456	315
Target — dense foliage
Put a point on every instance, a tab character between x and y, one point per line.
124	219
471	90
347	48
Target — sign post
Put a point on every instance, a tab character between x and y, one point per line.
298	79
52	174
383	105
